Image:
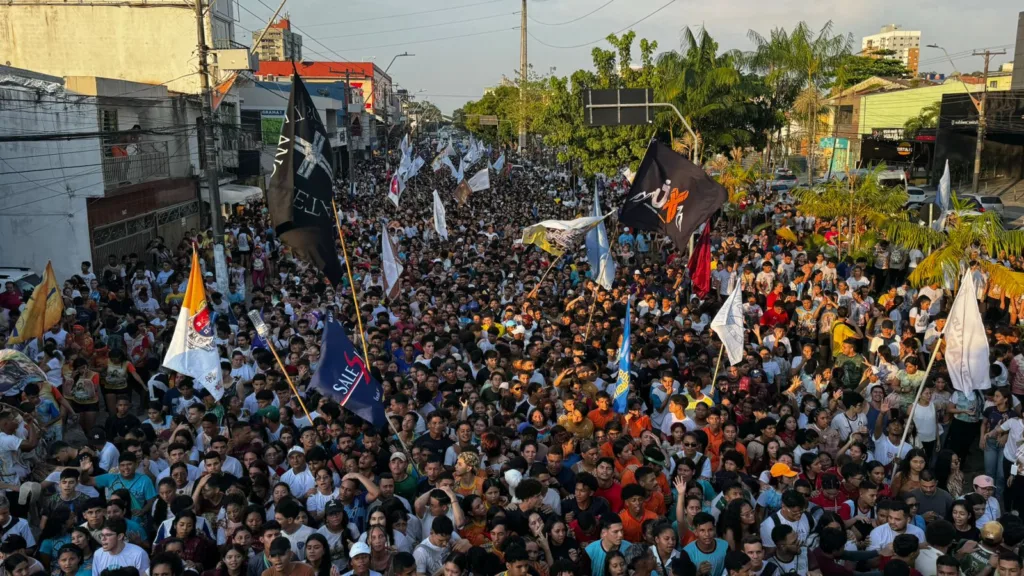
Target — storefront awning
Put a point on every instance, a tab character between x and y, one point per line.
238	193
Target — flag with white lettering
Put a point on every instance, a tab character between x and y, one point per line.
300	194
344	376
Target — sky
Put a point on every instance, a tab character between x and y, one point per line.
478	43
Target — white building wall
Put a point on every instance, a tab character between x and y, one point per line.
45	185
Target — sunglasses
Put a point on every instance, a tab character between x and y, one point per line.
690	444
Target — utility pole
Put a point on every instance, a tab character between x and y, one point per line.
211	145
522	81
348	127
982	122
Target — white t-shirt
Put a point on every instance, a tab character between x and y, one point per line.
20	527
298	540
1016	429
802	528
109	457
883	535
885	451
847	426
12	470
317	502
299	483
130	555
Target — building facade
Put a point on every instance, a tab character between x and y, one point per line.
279	42
905	43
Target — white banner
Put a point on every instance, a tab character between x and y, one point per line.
480	181
728	324
966	343
440	224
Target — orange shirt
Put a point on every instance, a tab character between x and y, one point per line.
631	465
714	442
656	504
638	426
601	420
632	528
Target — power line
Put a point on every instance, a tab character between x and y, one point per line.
666	5
434	39
570	21
391	16
424	26
297	29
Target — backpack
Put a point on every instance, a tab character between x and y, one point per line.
810	520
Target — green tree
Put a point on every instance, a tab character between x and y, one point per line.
769	61
602	149
814	58
860	68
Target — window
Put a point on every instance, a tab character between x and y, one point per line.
993	83
108	123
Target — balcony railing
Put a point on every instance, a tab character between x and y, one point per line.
134	163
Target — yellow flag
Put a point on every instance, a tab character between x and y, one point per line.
43	310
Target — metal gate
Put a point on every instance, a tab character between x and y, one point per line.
135	234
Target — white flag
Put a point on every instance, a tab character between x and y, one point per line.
396	189
392	267
966	342
192	351
480	181
499	164
440	225
416	165
728	324
440	146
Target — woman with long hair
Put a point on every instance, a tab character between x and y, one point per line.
339	540
948	474
1007	435
876	473
396	539
318	554
665	548
926	421
736	523
615	564
325	492
381	551
233	562
82	538
787	430
197	549
963	519
495	494
908	477
687	508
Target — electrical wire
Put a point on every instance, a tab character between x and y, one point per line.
434	39
577	19
391	16
421	27
666	5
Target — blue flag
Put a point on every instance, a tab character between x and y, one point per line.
622	384
343	376
599	253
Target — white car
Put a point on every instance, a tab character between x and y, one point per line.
985	203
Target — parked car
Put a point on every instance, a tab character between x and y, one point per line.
23	278
984	203
917	196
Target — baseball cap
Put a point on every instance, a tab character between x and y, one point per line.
280	546
100	437
781	469
984	482
295	449
399	456
992	531
333	507
357	549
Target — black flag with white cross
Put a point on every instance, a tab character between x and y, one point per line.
300	192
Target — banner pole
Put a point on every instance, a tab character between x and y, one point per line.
352	284
273	350
593	305
910	413
359	317
545	275
718	364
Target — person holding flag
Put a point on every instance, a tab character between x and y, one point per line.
192	351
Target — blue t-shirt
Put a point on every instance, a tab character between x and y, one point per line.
139	486
716	558
597	556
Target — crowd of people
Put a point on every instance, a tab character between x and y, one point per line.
503	454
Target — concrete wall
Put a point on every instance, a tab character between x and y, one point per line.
153	44
45	185
893	109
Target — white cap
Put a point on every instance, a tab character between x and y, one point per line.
357	549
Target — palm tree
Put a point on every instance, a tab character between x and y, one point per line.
927	118
770	60
814	57
698	81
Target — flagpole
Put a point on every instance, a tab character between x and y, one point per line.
352	284
270	345
910	414
718	364
359	317
592	306
545	275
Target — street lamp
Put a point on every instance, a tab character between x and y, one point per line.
980	107
387	104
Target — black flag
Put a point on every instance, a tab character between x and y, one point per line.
670	195
300	193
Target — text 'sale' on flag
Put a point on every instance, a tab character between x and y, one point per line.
967	352
556	237
700	264
301	186
728	325
343	376
192	351
621	393
440	224
44	309
670	195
